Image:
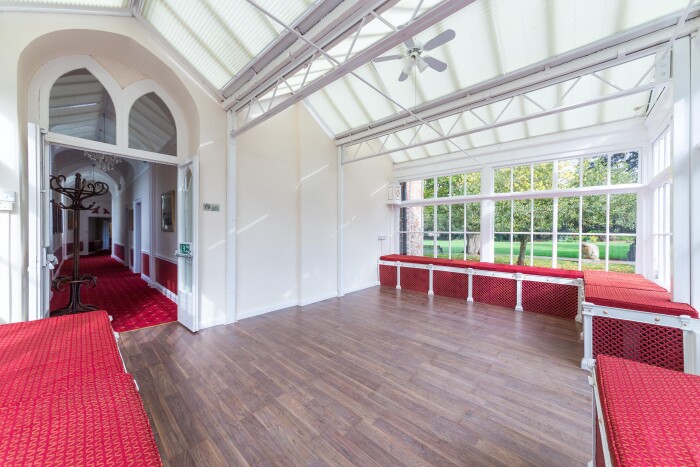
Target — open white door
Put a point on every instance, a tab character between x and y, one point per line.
186	221
41	258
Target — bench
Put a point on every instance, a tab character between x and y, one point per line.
65	397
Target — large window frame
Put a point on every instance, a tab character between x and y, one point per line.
660	229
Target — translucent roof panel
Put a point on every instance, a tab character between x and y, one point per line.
493	38
72	3
220	37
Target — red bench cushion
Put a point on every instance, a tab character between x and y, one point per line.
100	424
652	414
641	300
621	279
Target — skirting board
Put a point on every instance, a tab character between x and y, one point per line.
361	287
164	291
118	259
317	299
146	278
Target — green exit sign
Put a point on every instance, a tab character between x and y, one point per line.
185	248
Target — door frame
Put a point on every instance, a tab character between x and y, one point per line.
137	267
195	324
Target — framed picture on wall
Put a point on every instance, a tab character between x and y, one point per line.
167	211
130	214
69	220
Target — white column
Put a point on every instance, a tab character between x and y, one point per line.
680	166
341	217
694	156
487	215
231	216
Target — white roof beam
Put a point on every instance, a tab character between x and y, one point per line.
600	55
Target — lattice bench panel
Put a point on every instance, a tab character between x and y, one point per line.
387	275
417	280
450	284
550	299
494	291
646	343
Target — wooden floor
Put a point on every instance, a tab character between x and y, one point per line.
378	377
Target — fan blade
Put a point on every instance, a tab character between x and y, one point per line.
437	41
435	64
407	68
422	65
386	58
403	76
409	43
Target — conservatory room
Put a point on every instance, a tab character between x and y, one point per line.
327	232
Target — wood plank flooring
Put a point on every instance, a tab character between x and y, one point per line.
376	378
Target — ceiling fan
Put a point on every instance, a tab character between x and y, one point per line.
415	58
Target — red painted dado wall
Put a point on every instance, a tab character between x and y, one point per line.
166	274
119	251
145	264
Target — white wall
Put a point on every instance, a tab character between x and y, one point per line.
136	188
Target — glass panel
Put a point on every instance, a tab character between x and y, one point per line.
568	220
403	243
623	213
403	215
543	176
443	218
443	245
521	178
428	218
474	183
569	174
443	187
473	247
624	168
457	218
415	244
187	235
520	249
502	221
80	106
473	215
412	190
429	245
567	252
623	253
522	215
595	171
542	251
501	248
411	219
429	188
594	214
543	215
457	184
152	126
593	252
501	180
457	246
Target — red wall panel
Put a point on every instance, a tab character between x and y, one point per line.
145	264
69	249
166	274
119	251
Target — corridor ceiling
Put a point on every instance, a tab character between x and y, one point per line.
260	56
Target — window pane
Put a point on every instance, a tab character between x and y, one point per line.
411	219
403	215
412	190
520	248
624	168
443	187
623	213
542	251
415	244
543	215
457	218
457	246
501	180
569	174
474	217
543	176
457	183
429	245
595	171
501	248
428	218
623	253
429	188
473	247
593	252
522	215
443	245
568	214
443	218
567	252
474	183
594	214
521	178
502	222
403	244
152	126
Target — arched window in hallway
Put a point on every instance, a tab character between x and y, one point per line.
80	106
152	126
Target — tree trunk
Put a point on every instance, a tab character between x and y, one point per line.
523	246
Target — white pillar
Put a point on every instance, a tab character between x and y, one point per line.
694	156
341	217
487	215
231	216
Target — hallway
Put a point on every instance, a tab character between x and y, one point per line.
123	294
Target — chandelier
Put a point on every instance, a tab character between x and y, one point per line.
105	162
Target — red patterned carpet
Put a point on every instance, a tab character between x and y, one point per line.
124	295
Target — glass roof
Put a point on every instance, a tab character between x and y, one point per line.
74	3
493	38
471	128
220	37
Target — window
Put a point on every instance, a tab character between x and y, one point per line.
523	232
661	211
463	184
661	153
152	126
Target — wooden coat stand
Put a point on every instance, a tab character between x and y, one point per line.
81	191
